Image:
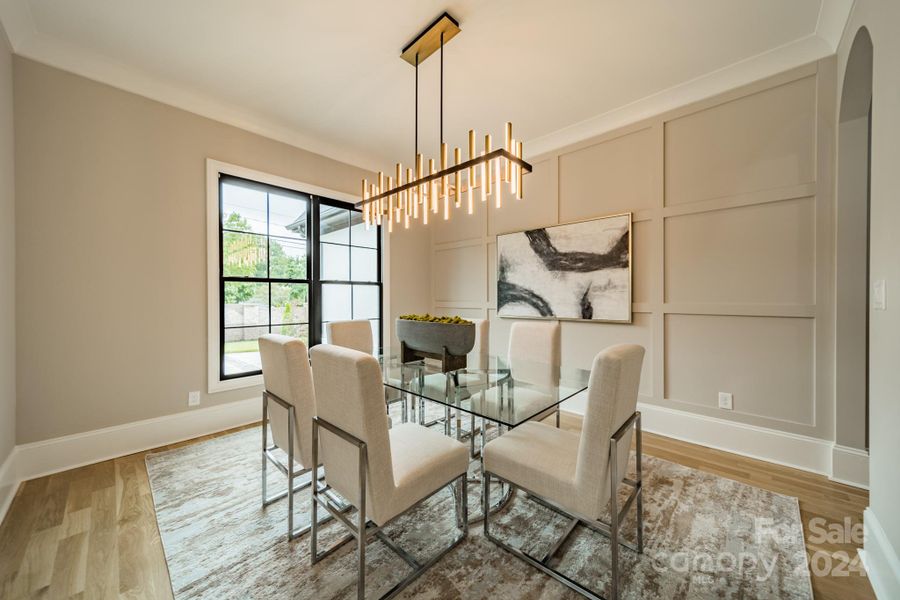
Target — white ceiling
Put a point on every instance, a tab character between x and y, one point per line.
327	75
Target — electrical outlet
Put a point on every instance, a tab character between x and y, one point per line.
194	399
879	295
725	401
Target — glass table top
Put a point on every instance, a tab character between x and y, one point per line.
490	387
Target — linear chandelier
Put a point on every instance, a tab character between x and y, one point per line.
409	195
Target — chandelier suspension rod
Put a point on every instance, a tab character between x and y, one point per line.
416	153
398	199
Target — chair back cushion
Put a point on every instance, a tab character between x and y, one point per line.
350	334
612	398
478	357
286	373
534	352
350	395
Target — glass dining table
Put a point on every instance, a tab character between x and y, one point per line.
491	393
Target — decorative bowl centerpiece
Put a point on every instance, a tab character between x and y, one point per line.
449	339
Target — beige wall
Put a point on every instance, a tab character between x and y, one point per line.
111	249
733	257
882	19
7	259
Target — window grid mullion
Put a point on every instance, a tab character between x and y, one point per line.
312	245
269	258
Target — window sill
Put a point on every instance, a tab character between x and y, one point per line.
216	386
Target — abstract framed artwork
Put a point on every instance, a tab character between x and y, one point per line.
578	271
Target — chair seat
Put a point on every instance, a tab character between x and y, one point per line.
422	461
539	458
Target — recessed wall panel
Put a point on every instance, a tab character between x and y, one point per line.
765	362
581	342
461	225
536	209
758	142
761	254
459	275
607	178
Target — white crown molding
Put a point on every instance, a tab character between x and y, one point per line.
880	558
744	72
28	42
44	49
16	20
833	18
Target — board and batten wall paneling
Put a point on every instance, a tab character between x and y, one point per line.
761	141
621	177
769	359
758	254
464	275
731	250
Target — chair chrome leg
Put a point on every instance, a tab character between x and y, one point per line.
361	525
314	505
291	426
557	418
265	442
486	500
640	486
613	521
464	495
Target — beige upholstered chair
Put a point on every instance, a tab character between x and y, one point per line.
358	336
350	334
578	475
382	472
534	359
289	404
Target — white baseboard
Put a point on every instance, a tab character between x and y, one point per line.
37	459
779	447
9	482
850	466
59	454
880	559
839	463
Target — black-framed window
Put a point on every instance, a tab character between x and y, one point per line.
288	263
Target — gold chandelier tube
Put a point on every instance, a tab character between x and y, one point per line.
519	191
509	148
432	187
444	180
471	178
457	178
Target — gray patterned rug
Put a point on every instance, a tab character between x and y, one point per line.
705	537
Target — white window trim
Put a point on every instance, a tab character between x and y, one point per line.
213	168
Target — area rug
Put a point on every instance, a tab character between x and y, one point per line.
704	537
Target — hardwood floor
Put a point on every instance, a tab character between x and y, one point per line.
91	532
